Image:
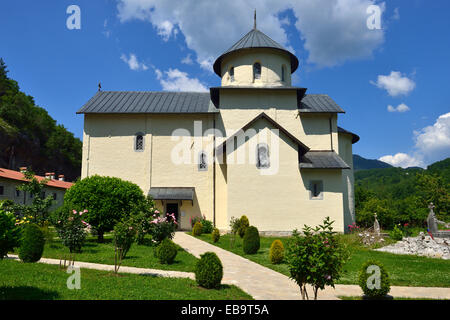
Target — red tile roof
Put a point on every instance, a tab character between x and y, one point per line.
16	175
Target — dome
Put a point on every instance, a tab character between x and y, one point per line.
254	39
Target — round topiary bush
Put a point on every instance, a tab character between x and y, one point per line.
374	280
207	226
197	230
209	271
32	245
276	252
215	235
251	241
166	251
243	225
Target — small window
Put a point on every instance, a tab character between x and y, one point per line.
17	193
202	161
139	142
262	156
256	71
283	73
2	190
55	196
232	74
316	190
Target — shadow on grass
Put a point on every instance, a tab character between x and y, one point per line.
27	293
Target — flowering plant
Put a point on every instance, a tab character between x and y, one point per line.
352	228
162	227
72	229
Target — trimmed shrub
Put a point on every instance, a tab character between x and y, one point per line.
276	252
207	226
209	271
251	241
243	225
215	235
370	285
197	230
166	251
32	245
124	236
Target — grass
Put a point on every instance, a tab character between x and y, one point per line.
404	270
35	281
140	256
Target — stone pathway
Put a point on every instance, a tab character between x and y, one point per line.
123	269
267	284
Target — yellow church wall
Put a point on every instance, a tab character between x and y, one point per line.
281	202
109	151
271	63
346	153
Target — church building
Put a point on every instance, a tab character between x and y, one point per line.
254	146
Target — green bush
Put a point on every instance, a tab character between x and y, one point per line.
32	244
166	251
243	225
276	252
207	226
215	235
71	228
396	233
209	271
107	199
124	236
251	242
379	289
9	232
197	230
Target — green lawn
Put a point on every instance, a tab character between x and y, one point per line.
139	255
404	270
26	281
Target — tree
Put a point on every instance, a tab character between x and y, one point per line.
107	199
40	204
316	257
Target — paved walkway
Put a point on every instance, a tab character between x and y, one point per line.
265	283
123	269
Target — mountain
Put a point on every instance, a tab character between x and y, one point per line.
360	163
30	137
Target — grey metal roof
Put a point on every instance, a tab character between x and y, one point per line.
172	193
255	39
322	160
317	103
149	102
355	137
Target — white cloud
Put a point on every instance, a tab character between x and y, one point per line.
395	84
402	160
133	62
432	144
187	60
334	31
434	141
176	80
400	108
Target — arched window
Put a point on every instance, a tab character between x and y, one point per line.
202	161
232	74
262	156
256	70
283	73
139	142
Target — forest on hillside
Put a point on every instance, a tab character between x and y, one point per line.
30	137
402	195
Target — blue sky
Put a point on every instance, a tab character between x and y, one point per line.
170	45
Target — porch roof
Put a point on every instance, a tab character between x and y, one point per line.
172	193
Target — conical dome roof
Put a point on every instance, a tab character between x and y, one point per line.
255	39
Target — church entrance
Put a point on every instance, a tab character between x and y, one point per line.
173	208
